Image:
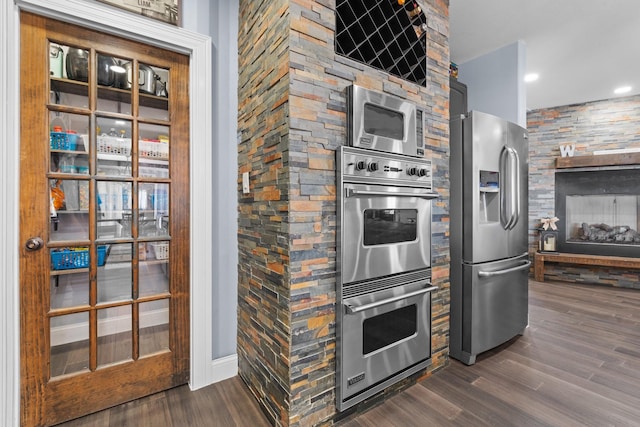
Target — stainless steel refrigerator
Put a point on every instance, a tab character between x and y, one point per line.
489	259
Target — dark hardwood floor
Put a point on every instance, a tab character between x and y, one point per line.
578	364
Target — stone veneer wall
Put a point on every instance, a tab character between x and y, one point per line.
601	125
264	315
292	119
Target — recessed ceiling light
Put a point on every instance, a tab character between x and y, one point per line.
623	89
532	77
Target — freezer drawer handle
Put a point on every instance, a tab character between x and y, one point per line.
353	310
506	271
355	193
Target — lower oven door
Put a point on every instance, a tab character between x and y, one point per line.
382	334
385	230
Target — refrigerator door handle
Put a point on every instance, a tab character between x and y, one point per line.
509	188
524	266
515	189
506	214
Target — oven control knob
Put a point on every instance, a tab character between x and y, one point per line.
412	171
423	172
372	167
360	165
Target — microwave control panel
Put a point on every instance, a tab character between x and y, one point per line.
368	165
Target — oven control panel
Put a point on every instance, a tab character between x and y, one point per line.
358	163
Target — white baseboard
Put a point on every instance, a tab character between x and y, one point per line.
79	331
224	368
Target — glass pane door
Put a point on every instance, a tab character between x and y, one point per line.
109	222
104	214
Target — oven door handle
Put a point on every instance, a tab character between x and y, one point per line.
357	309
355	193
505	271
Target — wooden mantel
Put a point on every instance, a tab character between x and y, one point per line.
597	161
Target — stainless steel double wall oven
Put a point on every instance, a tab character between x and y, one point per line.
384	269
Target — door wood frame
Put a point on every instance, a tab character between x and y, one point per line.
113	21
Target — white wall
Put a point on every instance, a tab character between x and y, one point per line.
495	83
9	161
219	19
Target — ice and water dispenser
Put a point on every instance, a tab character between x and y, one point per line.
489	196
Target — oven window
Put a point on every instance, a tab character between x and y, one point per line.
383	226
385	329
383	122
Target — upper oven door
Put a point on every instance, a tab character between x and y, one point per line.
385	230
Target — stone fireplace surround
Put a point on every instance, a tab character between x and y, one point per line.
601	125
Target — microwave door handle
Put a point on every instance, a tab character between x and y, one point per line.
357	309
355	193
524	266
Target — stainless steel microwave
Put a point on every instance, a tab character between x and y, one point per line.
383	122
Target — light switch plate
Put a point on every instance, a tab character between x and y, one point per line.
245	182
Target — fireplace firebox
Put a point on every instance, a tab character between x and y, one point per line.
599	211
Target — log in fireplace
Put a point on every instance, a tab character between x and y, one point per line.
599	211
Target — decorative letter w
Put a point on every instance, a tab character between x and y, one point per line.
567	150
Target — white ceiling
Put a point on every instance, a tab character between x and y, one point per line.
582	49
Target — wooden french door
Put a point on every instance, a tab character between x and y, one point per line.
104	220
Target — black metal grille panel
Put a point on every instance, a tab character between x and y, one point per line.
384	35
